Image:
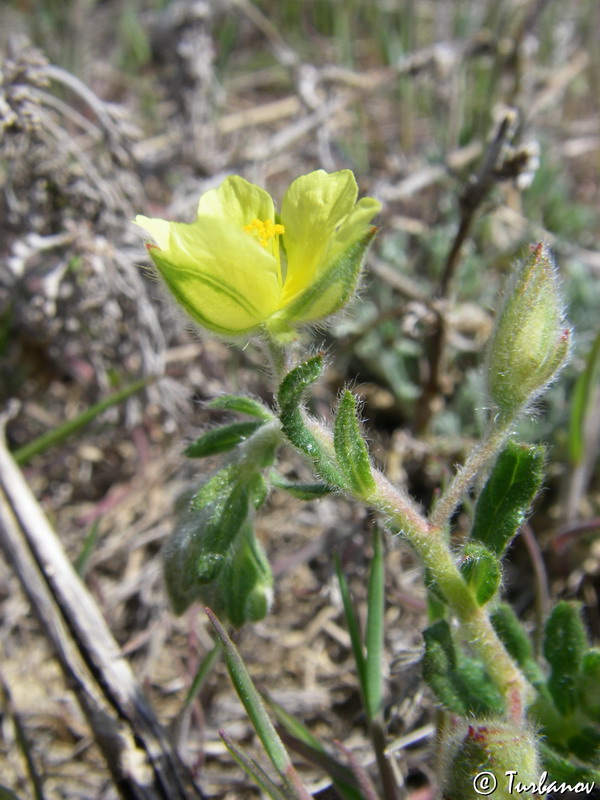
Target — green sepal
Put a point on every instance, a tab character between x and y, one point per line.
303	491
565	644
481	570
290	395
507	495
350	448
243	405
220	440
489	748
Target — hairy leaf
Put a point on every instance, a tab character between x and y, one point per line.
507	496
220	440
350	448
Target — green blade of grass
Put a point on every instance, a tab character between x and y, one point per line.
583	401
353	627
202	673
62	432
257	713
86	551
300	739
252	769
375	628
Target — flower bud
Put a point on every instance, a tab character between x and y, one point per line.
531	341
489	759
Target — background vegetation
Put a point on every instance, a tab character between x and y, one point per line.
116	107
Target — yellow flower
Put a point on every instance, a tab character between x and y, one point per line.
240	267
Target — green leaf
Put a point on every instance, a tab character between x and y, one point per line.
244	588
480	694
438	667
353	628
295	384
461	683
303	491
507	496
258	490
375	630
254	771
585	744
291	391
561	769
589	685
584	400
206	541
220	440
481	570
243	405
565	643
251	701
218	487
518	644
350	448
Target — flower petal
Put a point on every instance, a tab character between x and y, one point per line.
238	201
354	226
159	229
313	207
223	278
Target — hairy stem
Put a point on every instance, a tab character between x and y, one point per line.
447	503
432	547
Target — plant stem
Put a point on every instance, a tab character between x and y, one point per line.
279	357
447	503
430	544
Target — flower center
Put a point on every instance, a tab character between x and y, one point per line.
264	230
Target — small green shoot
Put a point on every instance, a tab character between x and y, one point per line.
67	429
257	714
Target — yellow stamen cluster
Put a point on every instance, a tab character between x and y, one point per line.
264	230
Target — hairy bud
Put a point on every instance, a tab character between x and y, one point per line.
531	341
